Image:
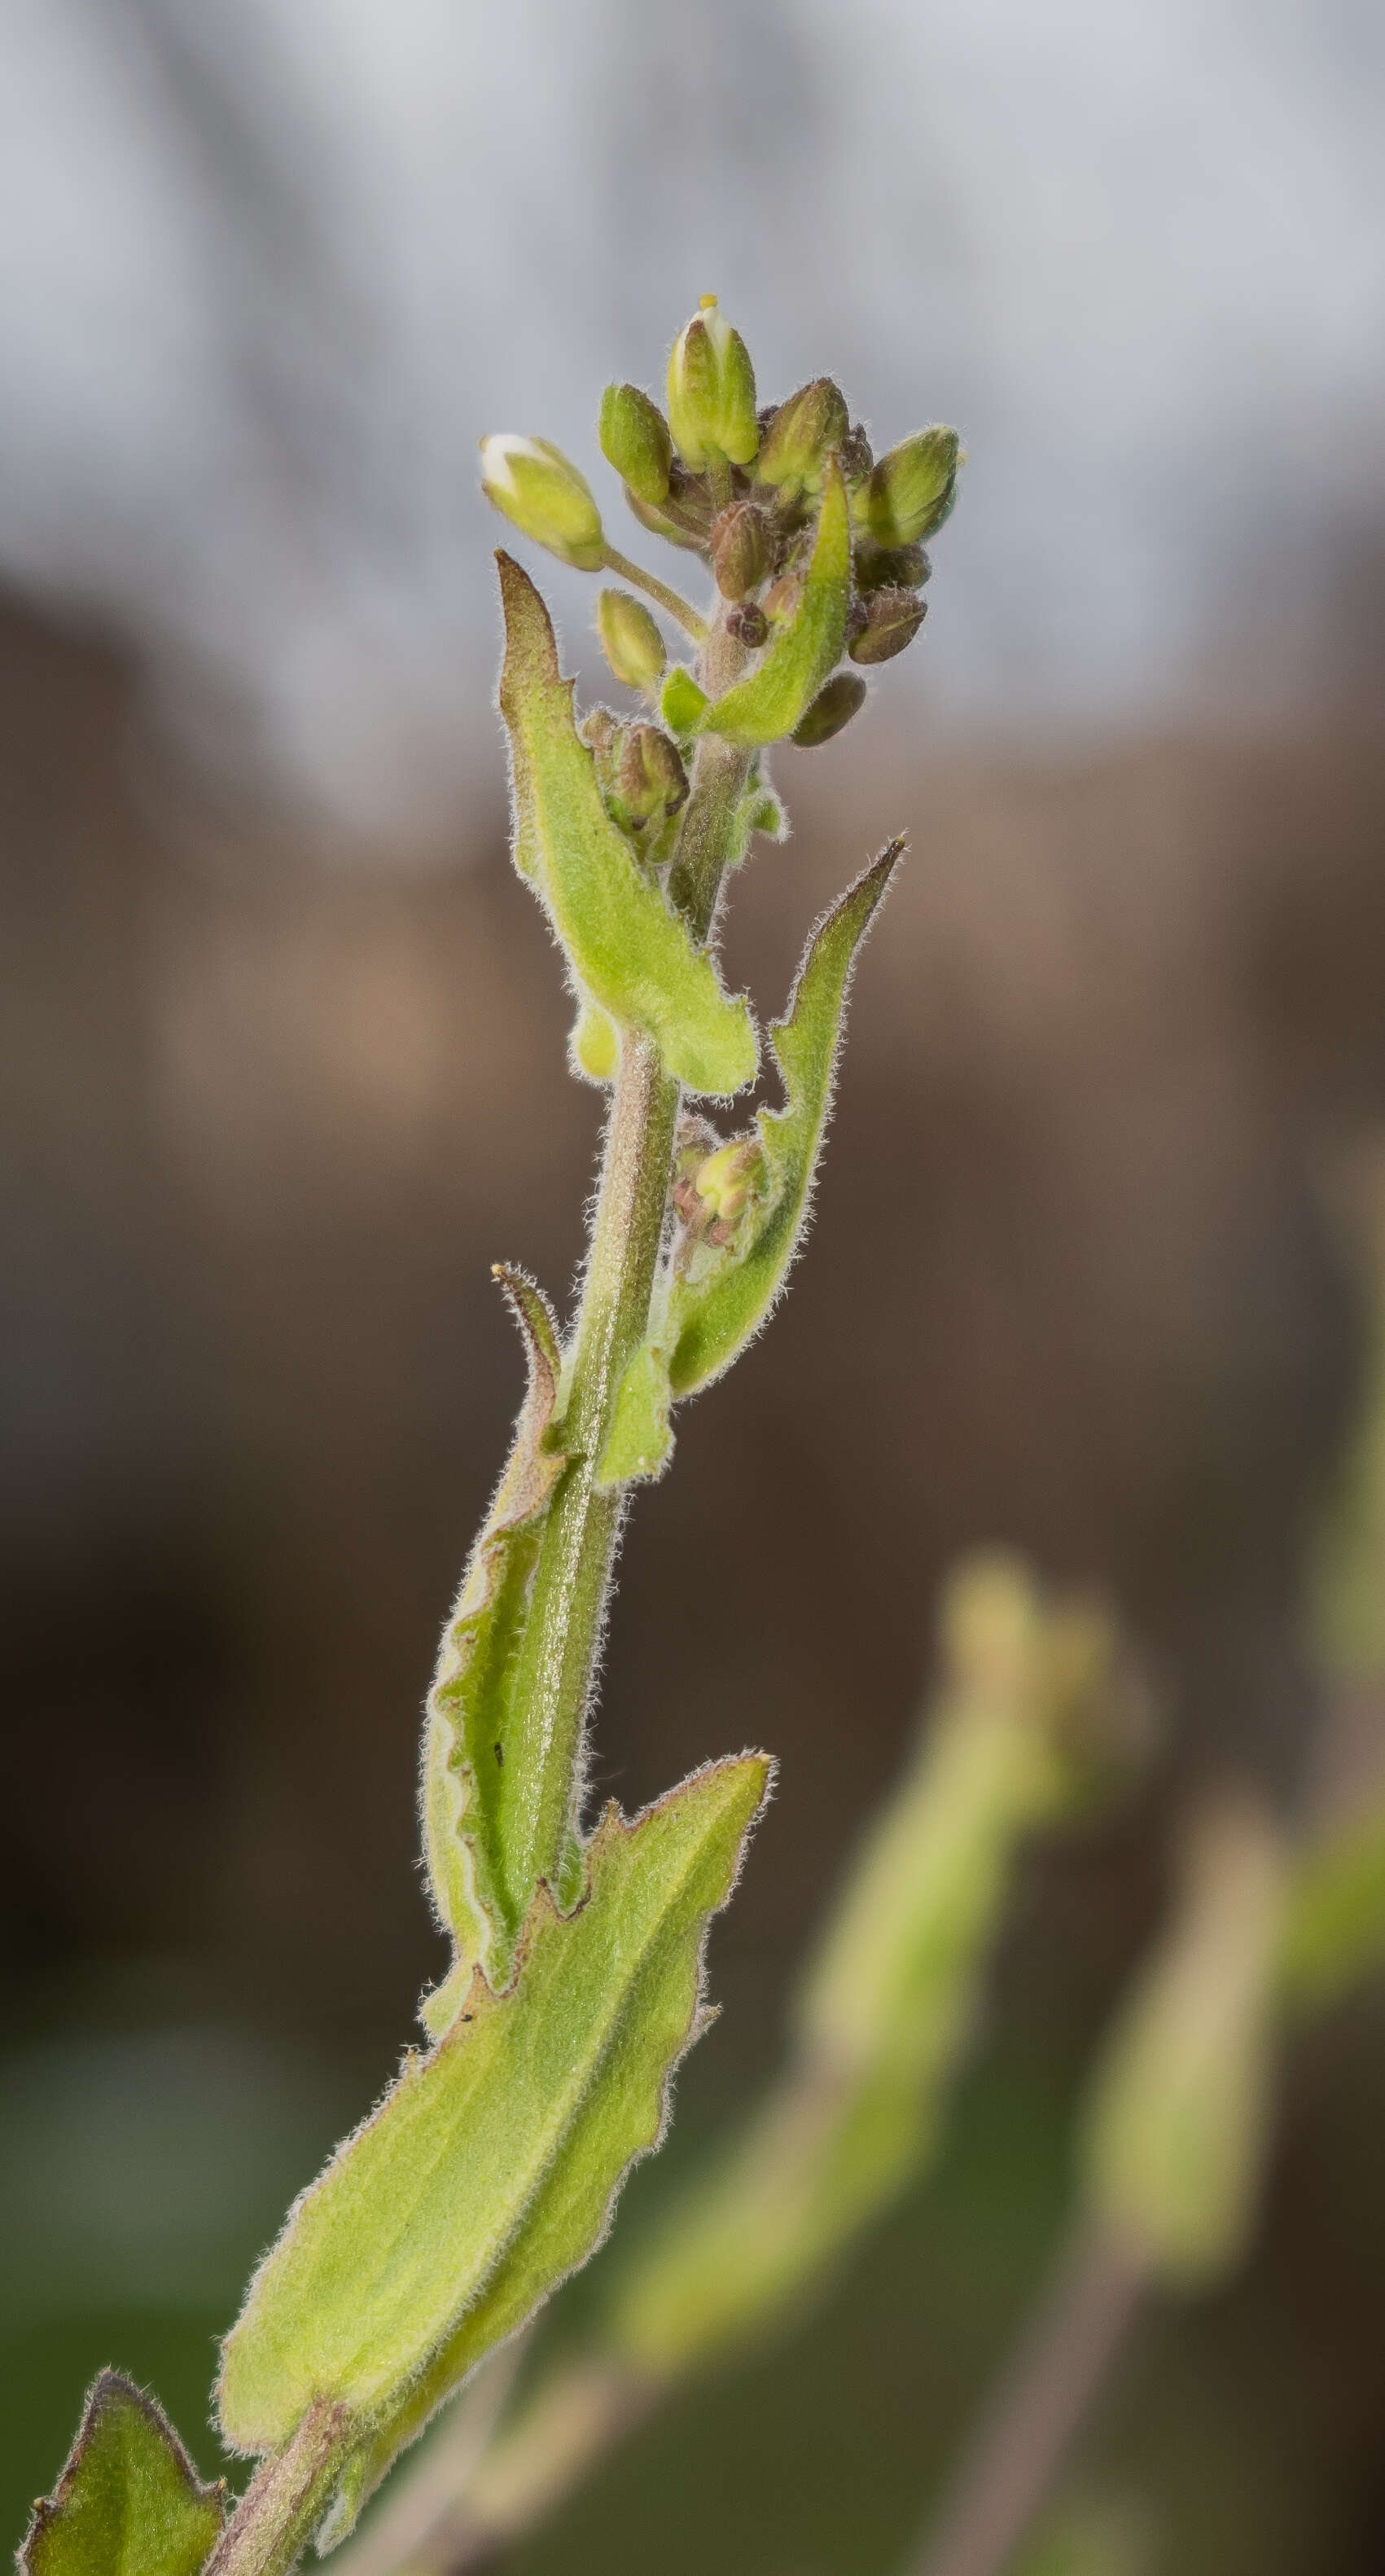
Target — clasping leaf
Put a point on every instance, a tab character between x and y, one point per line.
706	1314
491	2167
715	1312
766	706
129	2502
627	951
469	1786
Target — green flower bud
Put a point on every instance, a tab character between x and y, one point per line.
546	497
795	447
649	776
660	524
912	489
634	438
740	550
630	639
711	391
712	1192
832	708
904	567
890	620
727	1183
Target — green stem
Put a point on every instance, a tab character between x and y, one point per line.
720	772
577	1550
286	2498
1033	2418
670	601
572	1578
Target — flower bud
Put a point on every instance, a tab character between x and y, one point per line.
711	391
855	455
749	625
598	729
649	776
634	438
740	550
630	639
713	1192
906	567
892	620
912	489
659	524
783	597
795	447
726	1182
535	486
832	708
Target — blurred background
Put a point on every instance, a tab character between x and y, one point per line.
283	1054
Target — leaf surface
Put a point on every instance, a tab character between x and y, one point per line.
724	1300
628	952
490	2168
470	1789
766	706
129	2501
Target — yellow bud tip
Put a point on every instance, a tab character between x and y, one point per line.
707	303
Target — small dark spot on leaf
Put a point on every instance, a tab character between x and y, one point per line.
500	1755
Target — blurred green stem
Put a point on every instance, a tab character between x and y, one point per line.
1036	2411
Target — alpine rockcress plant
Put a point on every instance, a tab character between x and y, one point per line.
491	2167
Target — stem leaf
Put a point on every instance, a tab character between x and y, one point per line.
722	1303
490	2169
129	2502
473	1774
627	951
766	706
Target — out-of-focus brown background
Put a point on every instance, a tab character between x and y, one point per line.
283	1052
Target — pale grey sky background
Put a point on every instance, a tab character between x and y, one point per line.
268	270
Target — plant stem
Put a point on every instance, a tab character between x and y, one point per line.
720	771
572	1579
671	601
286	2498
1033	2417
573	1573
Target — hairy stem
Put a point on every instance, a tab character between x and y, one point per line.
1028	2428
573	1574
286	2498
720	771
572	1580
671	601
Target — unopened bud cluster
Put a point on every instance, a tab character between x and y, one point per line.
714	1191
642	777
740	484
